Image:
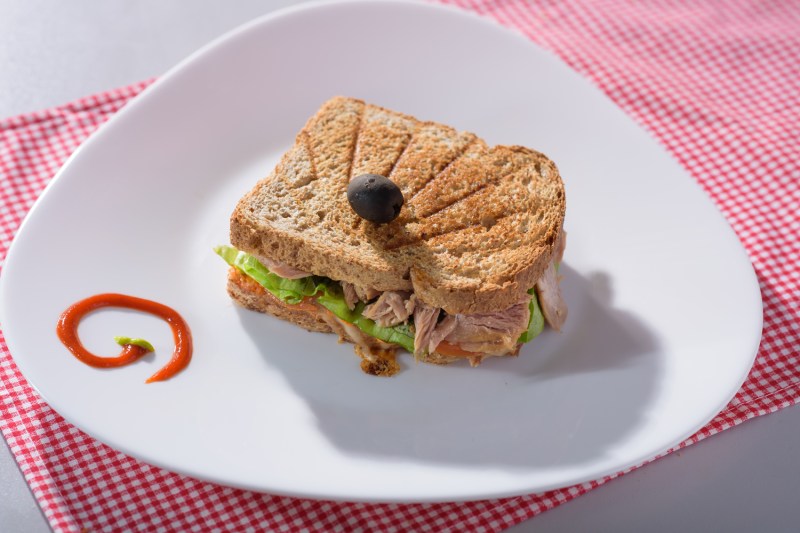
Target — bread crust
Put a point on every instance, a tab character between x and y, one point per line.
249	294
476	232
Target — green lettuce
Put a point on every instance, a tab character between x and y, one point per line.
401	334
333	300
122	341
327	292
291	291
536	320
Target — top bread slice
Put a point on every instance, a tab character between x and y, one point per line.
476	231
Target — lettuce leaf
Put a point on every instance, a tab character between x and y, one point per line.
535	322
327	292
332	298
122	341
291	291
401	334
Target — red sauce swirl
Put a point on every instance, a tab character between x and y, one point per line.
67	331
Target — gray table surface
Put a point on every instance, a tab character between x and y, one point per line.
51	52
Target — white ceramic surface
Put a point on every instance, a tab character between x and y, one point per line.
665	309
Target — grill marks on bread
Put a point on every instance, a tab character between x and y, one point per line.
463	175
333	138
481	204
476	232
381	142
430	150
453	153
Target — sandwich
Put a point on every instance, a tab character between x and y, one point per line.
464	268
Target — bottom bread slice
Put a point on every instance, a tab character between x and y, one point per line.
248	293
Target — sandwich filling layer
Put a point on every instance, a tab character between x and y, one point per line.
379	322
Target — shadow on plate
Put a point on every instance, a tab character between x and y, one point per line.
567	400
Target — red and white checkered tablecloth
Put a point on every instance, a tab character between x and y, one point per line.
718	83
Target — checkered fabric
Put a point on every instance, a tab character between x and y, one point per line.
717	83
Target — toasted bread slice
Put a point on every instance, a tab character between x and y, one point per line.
476	232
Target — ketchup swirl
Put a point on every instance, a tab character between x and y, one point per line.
67	331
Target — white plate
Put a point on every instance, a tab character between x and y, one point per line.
665	311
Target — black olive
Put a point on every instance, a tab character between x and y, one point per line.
375	198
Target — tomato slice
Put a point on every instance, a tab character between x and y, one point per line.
445	348
307	304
